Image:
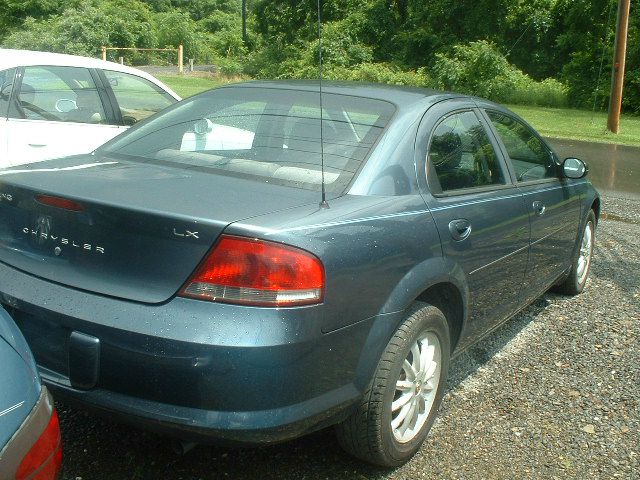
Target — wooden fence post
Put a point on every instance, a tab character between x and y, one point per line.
180	59
104	53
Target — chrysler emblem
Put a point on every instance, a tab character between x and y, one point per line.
43	229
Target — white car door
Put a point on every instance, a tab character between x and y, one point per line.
58	112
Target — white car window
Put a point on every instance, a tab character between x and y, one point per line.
137	97
6	82
63	94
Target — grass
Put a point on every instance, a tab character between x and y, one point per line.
186	86
579	124
550	122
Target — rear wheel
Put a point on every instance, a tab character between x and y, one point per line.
577	278
402	400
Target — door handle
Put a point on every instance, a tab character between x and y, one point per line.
539	207
460	229
37	145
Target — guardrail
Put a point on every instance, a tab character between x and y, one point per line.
180	51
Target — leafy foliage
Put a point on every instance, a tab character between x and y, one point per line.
478	68
84	29
546	52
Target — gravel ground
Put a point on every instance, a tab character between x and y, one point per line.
554	393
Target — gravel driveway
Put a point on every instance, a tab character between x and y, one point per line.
554	393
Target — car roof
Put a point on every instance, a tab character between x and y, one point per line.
18	58
402	96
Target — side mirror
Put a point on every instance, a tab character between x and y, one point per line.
574	168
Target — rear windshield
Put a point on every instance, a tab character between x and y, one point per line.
270	135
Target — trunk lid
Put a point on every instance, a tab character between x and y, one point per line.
143	228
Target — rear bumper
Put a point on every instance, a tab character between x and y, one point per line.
239	428
193	369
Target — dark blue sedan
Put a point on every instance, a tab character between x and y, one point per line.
248	267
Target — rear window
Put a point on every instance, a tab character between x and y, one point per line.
271	135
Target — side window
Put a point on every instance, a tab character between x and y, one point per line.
137	97
461	154
531	159
6	84
62	94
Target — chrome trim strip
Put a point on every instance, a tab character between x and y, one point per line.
547	236
61	169
11	409
347	222
533	192
516	251
483	200
413	212
500	259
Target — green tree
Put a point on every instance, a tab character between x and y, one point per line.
83	29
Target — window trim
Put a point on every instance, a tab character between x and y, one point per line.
434	185
484	111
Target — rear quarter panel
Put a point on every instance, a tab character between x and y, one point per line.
377	251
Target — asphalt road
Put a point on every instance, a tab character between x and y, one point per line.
613	169
551	394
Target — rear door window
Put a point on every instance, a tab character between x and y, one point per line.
461	155
137	97
62	94
530	157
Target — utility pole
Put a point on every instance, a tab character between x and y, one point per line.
617	72
244	21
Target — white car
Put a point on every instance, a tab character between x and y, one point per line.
52	105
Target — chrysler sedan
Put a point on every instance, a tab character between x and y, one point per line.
247	267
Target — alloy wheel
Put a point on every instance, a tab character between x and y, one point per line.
416	388
586	247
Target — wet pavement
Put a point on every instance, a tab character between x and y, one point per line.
612	168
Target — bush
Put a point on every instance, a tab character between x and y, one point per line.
523	90
478	68
229	67
382	73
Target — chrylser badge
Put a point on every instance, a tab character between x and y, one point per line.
41	234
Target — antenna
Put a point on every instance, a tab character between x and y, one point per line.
323	202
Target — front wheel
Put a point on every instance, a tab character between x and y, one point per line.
401	402
577	278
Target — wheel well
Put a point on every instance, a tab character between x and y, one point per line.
447	298
595	206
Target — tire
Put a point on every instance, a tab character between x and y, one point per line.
368	433
579	273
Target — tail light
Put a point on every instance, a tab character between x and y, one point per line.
256	272
43	460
